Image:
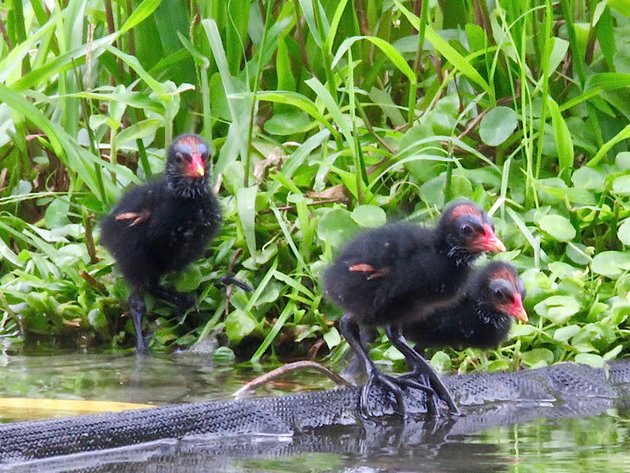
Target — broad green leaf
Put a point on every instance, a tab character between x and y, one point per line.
223	355
498	125
288	123
621	185
623	233
336	227
622	6
57	213
590	359
563	334
441	362
332	338
558	309
299	101
369	216
537	358
558	227
611	263
588	178
239	324
188	280
622	160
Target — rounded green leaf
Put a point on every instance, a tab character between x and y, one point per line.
557	227
497	125
621	185
563	334
223	355
591	359
579	253
623	233
610	263
336	227
238	325
57	213
558	309
441	362
369	216
188	280
537	357
588	178
288	123
622	160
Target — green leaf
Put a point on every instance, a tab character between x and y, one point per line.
623	233
369	216
223	355
622	160
336	227
538	357
332	338
558	309
621	185
610	263
239	324
288	123
498	125
588	178
449	52
623	6
590	359
56	215
562	135
563	334
246	203
441	362
558	227
188	280
139	14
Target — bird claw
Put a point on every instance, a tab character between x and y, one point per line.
440	396
387	384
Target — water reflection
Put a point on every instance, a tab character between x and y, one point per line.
594	440
156	379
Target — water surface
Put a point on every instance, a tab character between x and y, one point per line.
597	443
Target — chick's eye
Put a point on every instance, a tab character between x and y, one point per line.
182	157
466	230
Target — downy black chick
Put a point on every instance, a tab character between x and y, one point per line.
395	274
481	318
162	226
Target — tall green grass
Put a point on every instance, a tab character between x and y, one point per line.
326	117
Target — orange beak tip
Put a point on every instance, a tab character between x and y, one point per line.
499	246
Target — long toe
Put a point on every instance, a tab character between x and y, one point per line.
440	390
381	385
420	382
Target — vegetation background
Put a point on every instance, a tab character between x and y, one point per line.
326	116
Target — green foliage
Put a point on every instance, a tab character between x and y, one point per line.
326	117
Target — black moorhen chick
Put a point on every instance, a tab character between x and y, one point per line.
397	273
481	318
162	226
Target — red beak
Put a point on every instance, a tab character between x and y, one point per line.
197	167
490	242
517	310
